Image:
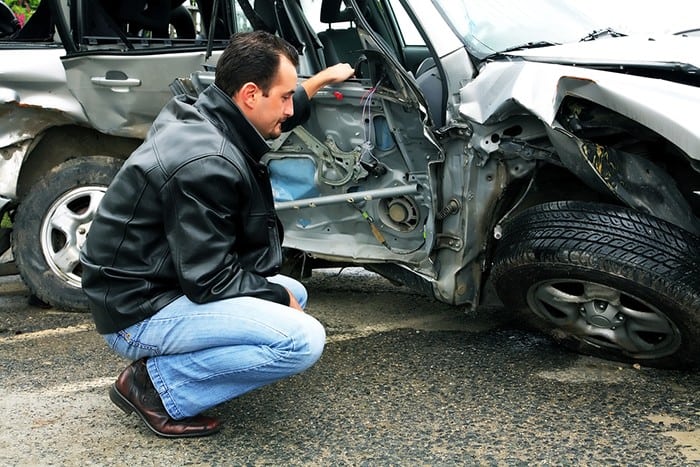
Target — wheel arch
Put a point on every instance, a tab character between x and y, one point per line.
59	144
616	155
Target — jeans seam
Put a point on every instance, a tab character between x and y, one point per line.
133	342
162	389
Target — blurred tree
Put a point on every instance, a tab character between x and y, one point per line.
23	9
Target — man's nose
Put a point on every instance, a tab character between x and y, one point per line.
289	108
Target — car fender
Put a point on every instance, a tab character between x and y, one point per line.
42	85
32	99
504	88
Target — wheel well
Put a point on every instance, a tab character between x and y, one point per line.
593	122
555	183
59	144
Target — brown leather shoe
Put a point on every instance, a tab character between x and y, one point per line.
134	392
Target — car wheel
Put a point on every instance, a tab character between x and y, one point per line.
51	224
605	281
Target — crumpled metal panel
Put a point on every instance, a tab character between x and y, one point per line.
11	158
33	97
501	89
19	127
122	94
37	81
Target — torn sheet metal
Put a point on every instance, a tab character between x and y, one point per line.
504	88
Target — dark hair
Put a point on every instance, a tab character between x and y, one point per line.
252	57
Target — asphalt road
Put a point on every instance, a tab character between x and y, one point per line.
404	380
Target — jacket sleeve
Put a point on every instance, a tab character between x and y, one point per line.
302	109
203	202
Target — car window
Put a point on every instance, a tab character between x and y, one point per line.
407	30
312	11
139	24
27	21
489	26
241	20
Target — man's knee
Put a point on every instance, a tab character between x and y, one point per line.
314	340
318	340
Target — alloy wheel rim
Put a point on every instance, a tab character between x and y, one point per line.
64	231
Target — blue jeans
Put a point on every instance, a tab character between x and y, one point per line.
200	355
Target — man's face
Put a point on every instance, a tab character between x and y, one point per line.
267	112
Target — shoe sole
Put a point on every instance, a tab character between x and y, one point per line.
127	407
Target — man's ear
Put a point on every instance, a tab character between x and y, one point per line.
247	96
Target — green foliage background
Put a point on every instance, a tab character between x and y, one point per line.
23	9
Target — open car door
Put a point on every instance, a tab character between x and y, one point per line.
356	183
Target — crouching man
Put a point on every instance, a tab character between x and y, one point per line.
182	259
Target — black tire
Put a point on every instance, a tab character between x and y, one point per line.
605	281
51	224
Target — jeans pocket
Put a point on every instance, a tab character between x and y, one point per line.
119	343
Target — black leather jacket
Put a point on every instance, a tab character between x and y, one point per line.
190	212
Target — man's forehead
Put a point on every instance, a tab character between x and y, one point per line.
286	77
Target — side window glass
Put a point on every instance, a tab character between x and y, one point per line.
312	11
147	24
139	23
123	24
241	21
408	31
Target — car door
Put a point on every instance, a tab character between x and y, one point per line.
358	182
388	178
120	71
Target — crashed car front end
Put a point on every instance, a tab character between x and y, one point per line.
419	190
594	148
512	144
611	127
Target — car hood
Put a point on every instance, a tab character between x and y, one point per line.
666	50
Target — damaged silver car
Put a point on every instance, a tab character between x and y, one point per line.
488	141
481	142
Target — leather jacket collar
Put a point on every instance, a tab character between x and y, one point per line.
228	118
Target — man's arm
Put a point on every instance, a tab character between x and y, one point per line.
309	87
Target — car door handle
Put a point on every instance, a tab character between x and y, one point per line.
117	81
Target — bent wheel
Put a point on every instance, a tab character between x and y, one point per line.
605	280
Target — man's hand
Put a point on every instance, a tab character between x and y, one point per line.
333	74
293	303
338	73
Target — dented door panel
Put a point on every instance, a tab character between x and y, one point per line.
128	82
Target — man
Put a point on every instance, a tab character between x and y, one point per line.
182	258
